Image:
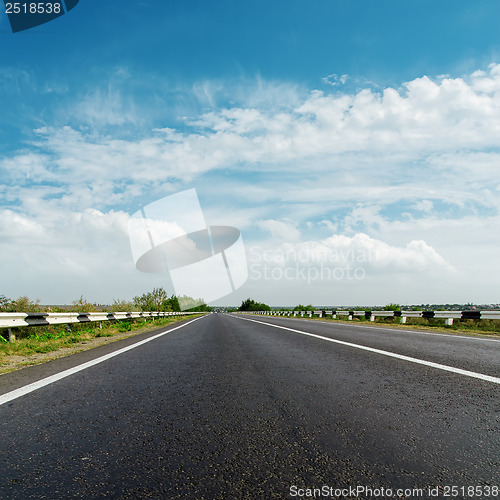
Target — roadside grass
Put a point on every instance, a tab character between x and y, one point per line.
31	341
487	327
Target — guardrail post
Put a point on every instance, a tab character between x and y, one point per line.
449	321
403	319
372	317
12	337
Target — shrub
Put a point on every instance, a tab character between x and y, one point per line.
124	326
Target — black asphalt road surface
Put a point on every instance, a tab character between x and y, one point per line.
226	408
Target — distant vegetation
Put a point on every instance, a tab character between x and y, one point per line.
23	304
251	305
392	307
52	337
156	300
300	307
484	326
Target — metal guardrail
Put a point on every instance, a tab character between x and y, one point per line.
13	320
448	316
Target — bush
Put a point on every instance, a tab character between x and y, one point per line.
300	307
124	326
23	304
392	307
122	306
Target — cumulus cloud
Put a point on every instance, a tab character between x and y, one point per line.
359	250
366	215
59	256
79	229
342	161
426	121
422	117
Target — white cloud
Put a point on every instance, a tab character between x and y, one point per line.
368	216
330	225
280	229
338	161
106	107
359	250
55	88
16	79
344	270
56	229
59	256
335	80
19	228
422	120
424	206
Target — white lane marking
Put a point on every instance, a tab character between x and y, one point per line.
17	393
394	330
481	376
401	330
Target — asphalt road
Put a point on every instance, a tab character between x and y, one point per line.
227	408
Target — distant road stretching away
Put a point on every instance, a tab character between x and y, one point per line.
248	407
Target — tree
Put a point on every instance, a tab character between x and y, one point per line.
81	305
174	303
190	304
200	308
157	300
24	304
4	303
251	305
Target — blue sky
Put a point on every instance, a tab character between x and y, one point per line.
318	128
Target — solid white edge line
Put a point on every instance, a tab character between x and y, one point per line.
395	330
402	330
481	376
17	393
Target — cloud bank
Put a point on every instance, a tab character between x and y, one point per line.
392	172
